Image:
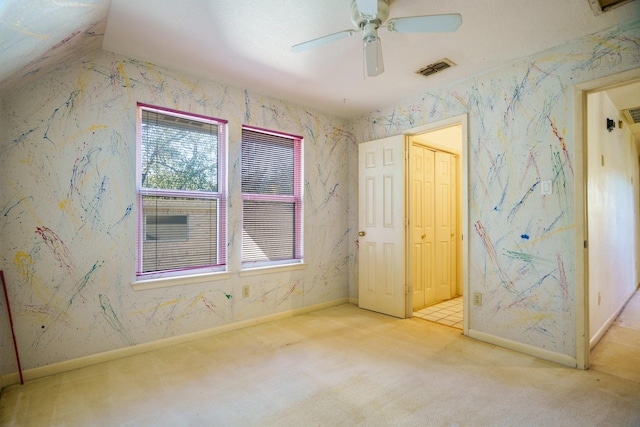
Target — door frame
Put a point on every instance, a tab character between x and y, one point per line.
580	92
463	199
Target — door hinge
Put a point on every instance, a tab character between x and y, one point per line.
585	244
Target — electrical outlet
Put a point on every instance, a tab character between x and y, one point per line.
477	298
245	291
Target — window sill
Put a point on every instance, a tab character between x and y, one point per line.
163	282
256	271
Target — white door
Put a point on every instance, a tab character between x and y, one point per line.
456	285
432	226
421	225
382	231
444	205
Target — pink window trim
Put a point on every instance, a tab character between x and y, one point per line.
221	195
178	193
210	268
272	132
297	180
297	183
182	113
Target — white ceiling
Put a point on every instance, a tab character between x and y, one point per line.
246	43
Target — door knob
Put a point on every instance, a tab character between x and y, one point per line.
423	236
361	233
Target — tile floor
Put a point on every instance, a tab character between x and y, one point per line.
446	313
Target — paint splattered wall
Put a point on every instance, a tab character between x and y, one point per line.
67	165
68	214
521	244
7	355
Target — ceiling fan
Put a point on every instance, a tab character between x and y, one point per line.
368	16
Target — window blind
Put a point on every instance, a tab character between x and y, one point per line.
178	153
182	213
272	197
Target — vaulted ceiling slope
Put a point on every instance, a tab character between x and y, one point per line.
38	35
248	43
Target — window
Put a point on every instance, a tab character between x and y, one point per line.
181	192
271	197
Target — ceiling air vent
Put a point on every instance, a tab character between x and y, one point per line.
632	115
436	67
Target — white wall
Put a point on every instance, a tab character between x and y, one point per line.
68	224
613	206
522	244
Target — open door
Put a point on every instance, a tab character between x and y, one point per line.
445	220
382	279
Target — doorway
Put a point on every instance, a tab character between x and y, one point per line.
613	199
597	308
384	267
434	225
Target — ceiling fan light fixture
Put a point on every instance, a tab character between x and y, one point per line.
373	63
372	46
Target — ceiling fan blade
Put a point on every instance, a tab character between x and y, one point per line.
425	24
300	47
373	57
368	7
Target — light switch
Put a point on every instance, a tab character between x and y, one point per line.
545	187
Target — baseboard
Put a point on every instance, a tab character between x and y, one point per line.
353	301
68	365
551	356
605	327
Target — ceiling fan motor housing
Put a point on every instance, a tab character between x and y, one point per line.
369	32
360	20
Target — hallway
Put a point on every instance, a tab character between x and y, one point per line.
618	352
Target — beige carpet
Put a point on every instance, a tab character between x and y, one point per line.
341	367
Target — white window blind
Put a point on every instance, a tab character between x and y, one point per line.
182	215
272	197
